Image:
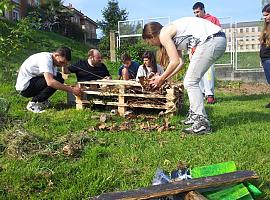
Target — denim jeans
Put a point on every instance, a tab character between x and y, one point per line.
266	67
204	56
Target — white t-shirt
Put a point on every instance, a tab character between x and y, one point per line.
34	66
193	31
141	71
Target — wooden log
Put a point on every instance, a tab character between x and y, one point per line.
177	187
193	195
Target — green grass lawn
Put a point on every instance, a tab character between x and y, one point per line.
33	165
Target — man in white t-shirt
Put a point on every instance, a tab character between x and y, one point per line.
38	78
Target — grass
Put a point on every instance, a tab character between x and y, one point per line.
119	160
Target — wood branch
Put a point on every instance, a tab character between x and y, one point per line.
177	187
193	195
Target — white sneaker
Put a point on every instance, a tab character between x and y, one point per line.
35	107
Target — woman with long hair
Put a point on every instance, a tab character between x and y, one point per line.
183	34
149	66
265	44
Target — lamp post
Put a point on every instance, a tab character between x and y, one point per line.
84	33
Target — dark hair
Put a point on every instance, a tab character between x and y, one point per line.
64	52
266	8
198	5
125	57
265	34
151	56
151	30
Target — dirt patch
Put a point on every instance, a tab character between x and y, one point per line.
244	88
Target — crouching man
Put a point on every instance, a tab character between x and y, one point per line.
38	78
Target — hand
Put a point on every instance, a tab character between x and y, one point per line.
156	81
77	91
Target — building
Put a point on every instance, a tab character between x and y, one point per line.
243	36
88	25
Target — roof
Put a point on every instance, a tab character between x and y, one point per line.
84	17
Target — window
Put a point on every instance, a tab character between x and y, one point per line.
15	15
241	30
253	30
253	46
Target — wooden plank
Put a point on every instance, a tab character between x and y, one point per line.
121	100
125	94
111	82
177	187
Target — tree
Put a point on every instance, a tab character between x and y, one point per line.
111	14
5	5
264	2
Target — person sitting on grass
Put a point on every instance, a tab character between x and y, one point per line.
38	78
149	67
129	68
91	68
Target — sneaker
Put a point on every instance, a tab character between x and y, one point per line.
35	107
268	105
211	99
200	126
190	118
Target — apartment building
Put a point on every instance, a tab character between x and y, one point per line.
243	36
87	24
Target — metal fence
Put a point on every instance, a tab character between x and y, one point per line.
242	51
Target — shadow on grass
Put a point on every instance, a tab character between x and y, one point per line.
243	97
62	106
234	119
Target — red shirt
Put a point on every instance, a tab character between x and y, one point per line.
212	19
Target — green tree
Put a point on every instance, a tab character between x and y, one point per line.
264	2
111	14
5	5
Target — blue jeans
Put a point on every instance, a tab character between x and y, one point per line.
266	67
204	56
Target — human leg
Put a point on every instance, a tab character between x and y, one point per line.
204	56
125	74
40	91
47	91
266	67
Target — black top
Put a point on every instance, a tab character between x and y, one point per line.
86	72
264	52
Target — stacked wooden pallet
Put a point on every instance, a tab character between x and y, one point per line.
130	94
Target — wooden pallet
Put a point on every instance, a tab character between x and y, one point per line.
129	94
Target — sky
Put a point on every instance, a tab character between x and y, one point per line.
226	10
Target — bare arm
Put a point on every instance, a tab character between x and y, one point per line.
166	35
51	82
179	67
